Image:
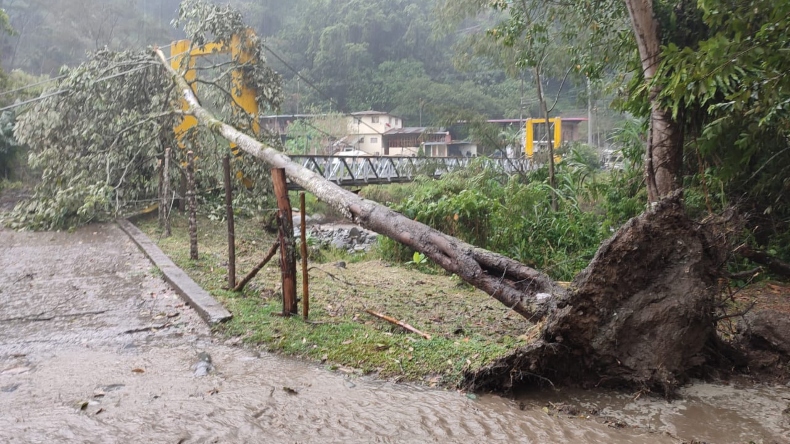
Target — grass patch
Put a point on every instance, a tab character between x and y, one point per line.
468	328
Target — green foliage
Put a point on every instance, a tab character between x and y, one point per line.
99	143
508	216
731	91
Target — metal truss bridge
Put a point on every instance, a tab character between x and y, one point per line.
374	170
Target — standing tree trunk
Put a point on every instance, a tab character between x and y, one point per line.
664	154
550	142
192	204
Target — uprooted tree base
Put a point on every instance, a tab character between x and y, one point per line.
641	314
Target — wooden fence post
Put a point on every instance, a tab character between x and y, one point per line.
305	279
287	247
192	203
164	208
231	227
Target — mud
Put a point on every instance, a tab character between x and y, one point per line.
95	348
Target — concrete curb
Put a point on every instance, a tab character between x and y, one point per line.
209	309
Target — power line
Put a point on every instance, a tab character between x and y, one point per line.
22	88
312	85
62	91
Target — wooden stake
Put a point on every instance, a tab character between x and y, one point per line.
305	278
192	203
399	323
259	267
287	244
166	193
231	228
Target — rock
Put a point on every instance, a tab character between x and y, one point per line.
766	330
318	218
203	366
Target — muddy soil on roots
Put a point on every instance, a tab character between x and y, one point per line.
640	315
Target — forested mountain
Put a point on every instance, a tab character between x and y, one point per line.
391	55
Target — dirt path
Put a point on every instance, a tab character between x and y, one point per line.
94	347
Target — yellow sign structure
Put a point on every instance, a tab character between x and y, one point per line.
244	96
529	140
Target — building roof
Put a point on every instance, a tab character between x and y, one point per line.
291	116
414	130
372	113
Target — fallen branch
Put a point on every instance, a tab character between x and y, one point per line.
398	323
259	267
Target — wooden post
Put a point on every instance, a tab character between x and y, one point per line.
231	227
164	208
192	203
305	279
259	267
287	247
161	192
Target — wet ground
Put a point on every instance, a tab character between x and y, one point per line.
95	348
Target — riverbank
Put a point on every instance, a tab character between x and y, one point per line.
468	329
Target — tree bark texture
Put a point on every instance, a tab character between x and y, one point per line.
192	204
287	242
231	227
664	153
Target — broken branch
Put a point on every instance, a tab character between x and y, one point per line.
259	267
401	324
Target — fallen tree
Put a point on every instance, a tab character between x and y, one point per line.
641	313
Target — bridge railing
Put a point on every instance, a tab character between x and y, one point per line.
369	170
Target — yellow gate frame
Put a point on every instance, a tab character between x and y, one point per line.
245	97
529	139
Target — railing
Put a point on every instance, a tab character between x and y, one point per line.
371	170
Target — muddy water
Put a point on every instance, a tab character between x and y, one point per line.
94	348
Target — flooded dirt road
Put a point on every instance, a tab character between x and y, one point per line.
95	348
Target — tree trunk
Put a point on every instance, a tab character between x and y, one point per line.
550	142
192	204
664	154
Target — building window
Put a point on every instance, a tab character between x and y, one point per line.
374	140
389	120
375	119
